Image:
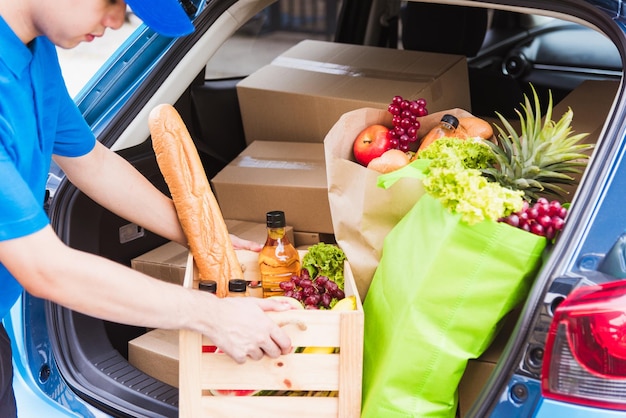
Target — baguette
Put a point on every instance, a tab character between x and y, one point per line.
198	211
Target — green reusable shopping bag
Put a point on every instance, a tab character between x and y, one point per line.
435	301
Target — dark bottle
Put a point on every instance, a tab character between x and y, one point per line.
237	287
211	287
279	259
208	286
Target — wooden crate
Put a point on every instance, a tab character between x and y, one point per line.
342	372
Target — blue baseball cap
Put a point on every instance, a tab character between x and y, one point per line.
167	17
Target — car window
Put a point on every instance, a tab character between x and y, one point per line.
271	32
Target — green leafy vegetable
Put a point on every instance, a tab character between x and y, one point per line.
454	177
325	260
471	195
460	153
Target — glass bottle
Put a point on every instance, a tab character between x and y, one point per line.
279	259
211	287
237	287
446	128
208	286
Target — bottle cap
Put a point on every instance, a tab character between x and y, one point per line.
208	286
275	219
450	120
236	285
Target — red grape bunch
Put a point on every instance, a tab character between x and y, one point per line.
544	218
404	121
317	293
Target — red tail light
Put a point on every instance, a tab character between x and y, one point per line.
585	360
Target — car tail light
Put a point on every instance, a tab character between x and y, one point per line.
585	356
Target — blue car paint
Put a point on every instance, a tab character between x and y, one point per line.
607	224
519	399
34	399
551	409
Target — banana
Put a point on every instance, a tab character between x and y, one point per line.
346	304
318	350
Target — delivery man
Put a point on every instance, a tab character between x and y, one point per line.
40	122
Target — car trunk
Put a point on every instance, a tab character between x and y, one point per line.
92	355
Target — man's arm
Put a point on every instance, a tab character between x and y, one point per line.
101	288
98	287
112	182
116	185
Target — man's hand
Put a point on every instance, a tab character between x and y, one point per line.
244	244
242	330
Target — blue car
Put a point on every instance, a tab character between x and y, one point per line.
564	351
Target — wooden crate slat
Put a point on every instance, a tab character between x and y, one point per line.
190	356
289	372
269	407
351	365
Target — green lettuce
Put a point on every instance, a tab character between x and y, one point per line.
454	178
325	260
459	153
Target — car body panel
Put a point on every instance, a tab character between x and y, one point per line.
37	397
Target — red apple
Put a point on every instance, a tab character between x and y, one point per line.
371	143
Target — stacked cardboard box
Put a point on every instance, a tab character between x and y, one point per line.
302	93
156	354
289	106
270	175
168	261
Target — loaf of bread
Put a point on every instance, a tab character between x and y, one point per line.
197	208
476	127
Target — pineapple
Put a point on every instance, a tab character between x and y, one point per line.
543	157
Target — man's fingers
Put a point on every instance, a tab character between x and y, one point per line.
271	350
282	340
256	354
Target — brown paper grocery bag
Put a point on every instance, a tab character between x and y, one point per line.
363	213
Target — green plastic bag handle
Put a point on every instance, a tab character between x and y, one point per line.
415	169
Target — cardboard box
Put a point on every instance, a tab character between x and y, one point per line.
156	354
341	372
304	240
254	231
270	175
590	102
168	261
304	91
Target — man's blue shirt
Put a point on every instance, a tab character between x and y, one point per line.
37	119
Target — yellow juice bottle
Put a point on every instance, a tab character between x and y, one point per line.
279	259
